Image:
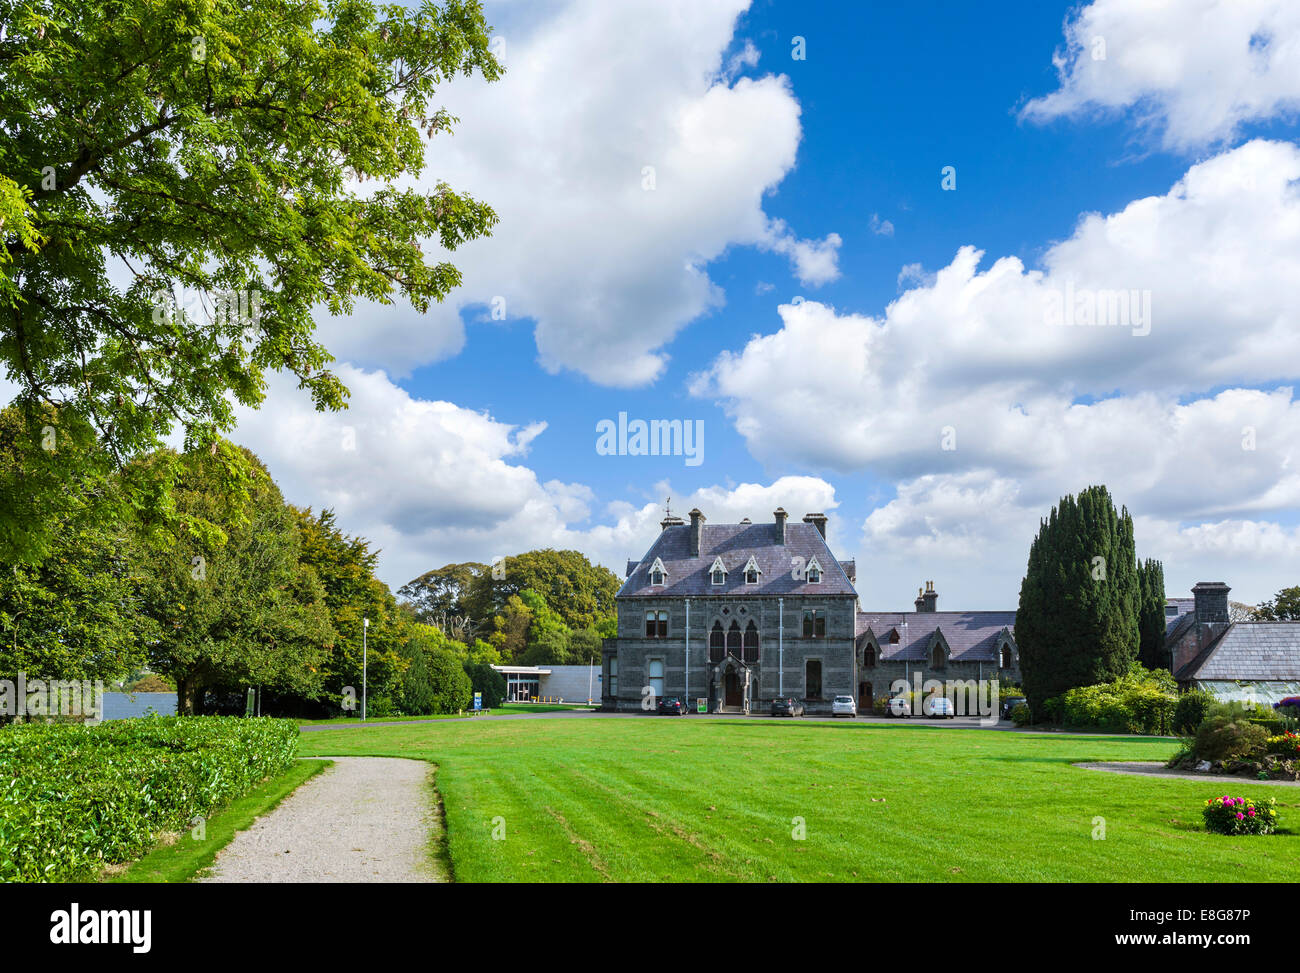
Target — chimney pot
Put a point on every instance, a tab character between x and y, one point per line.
818	520
697	530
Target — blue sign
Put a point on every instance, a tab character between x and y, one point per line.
478	702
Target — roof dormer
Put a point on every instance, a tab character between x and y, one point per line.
657	574
752	572
813	573
718	573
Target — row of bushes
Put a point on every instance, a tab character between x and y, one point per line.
76	797
1142	701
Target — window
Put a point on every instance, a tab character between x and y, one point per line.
936	657
1006	656
812	679
751	642
613	676
752	572
657	573
718	572
717	643
733	639
814	623
893	637
869	656
656	677
813	572
656	625
1171	611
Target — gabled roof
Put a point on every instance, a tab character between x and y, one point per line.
736	544
971	636
1248	650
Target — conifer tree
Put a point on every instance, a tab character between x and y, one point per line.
1077	623
1151	620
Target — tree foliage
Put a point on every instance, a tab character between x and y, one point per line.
1282	607
1152	652
581	593
1077	622
183	184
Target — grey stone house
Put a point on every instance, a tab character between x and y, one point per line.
1256	662
740	614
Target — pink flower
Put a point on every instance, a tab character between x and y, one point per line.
1251	812
1240	815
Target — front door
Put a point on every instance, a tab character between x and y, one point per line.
864	697
734	694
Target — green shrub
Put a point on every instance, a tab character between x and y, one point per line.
451	687
486	680
1223	738
74	798
1191	709
1128	705
1240	815
1020	714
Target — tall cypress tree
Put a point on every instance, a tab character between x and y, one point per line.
1077	623
1152	652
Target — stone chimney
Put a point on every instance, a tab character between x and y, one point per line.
697	530
1211	608
780	516
927	599
818	521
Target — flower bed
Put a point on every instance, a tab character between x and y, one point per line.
1240	815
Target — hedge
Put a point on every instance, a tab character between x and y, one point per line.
74	798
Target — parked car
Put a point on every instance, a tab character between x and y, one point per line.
900	706
787	706
844	706
1009	703
940	708
672	706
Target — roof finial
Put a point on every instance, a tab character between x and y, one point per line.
668	507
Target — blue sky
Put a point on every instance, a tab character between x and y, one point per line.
819	181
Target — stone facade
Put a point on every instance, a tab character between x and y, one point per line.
767	629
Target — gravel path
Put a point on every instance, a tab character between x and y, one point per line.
366	819
1145	769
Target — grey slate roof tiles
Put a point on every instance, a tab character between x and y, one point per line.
736	543
971	636
1250	650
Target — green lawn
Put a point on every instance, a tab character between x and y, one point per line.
652	799
503	708
180	860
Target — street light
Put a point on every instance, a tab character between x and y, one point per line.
365	624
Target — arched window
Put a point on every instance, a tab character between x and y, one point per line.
717	643
733	639
869	656
936	657
1006	655
751	642
812	679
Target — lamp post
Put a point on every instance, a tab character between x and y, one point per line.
365	624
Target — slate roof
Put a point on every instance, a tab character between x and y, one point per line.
688	576
971	636
1249	650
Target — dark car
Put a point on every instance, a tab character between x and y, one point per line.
787	706
672	706
1009	703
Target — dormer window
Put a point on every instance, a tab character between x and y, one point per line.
657	574
718	573
814	572
752	572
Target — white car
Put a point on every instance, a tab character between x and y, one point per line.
844	706
940	708
900	706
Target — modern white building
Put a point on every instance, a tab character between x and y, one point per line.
571	684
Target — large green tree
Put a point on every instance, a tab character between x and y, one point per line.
580	592
345	567
1284	606
1152	652
438	597
237	608
184	183
1077	623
